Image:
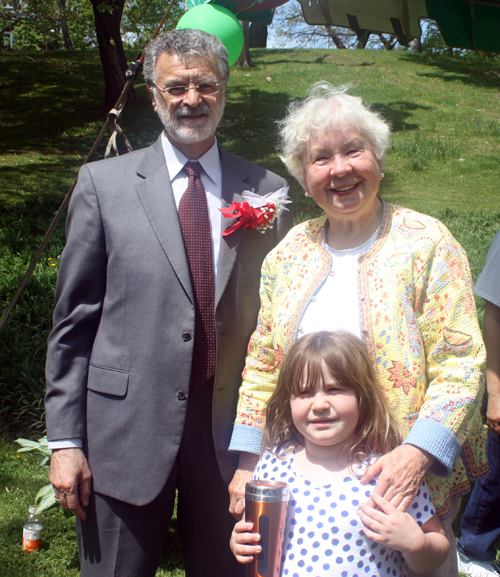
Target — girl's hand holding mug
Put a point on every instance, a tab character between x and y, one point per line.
243	543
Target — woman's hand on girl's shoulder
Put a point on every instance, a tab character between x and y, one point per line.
400	474
243	543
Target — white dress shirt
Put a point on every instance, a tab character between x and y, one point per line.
211	177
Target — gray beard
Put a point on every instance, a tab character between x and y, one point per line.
172	121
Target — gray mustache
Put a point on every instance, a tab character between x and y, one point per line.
186	113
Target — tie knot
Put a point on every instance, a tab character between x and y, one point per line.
192	169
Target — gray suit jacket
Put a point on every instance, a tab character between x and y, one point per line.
119	357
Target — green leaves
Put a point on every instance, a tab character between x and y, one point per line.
40	447
45	498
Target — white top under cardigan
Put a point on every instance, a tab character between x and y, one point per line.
335	305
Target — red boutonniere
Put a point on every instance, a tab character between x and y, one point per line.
256	212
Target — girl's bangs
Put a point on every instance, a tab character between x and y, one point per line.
308	375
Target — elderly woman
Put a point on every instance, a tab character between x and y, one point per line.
395	278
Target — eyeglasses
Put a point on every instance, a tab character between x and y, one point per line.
180	92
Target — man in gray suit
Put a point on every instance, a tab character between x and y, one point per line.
151	326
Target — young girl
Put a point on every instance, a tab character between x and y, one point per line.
326	421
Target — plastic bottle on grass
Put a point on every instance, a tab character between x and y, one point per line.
32	530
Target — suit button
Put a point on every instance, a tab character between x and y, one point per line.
181	395
186	337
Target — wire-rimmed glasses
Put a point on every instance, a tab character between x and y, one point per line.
180	92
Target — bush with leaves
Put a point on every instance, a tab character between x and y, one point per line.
45	498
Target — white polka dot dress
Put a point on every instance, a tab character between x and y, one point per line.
323	536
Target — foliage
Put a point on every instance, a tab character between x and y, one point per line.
432	40
45	498
37	24
142	17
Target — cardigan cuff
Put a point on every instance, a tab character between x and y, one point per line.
438	441
246	439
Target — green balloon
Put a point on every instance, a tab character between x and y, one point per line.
218	21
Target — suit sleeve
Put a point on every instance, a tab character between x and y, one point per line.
80	293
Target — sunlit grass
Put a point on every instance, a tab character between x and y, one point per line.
419	152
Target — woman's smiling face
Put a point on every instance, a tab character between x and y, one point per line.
342	174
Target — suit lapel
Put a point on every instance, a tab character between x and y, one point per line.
157	199
232	187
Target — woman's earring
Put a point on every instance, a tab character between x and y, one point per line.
306	193
382	175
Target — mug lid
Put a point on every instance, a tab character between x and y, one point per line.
266	491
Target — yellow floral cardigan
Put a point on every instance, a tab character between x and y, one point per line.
418	320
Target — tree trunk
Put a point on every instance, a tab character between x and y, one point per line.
416	45
64	24
333	35
245	60
257	35
363	36
108	15
388	44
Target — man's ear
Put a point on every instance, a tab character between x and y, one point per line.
152	96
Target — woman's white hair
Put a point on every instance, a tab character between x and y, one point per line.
328	108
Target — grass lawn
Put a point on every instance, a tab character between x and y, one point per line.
445	116
20	478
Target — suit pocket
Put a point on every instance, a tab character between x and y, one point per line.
108	381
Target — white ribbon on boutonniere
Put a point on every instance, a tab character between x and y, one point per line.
256	211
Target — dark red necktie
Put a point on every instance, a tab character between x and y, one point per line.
195	226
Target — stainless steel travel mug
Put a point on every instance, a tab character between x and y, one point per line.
266	503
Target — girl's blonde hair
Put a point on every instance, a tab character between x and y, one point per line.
346	358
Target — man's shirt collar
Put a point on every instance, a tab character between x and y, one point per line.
210	161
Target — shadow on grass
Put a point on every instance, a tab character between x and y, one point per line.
293	57
51	104
480	73
42	97
249	132
23	224
397	112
